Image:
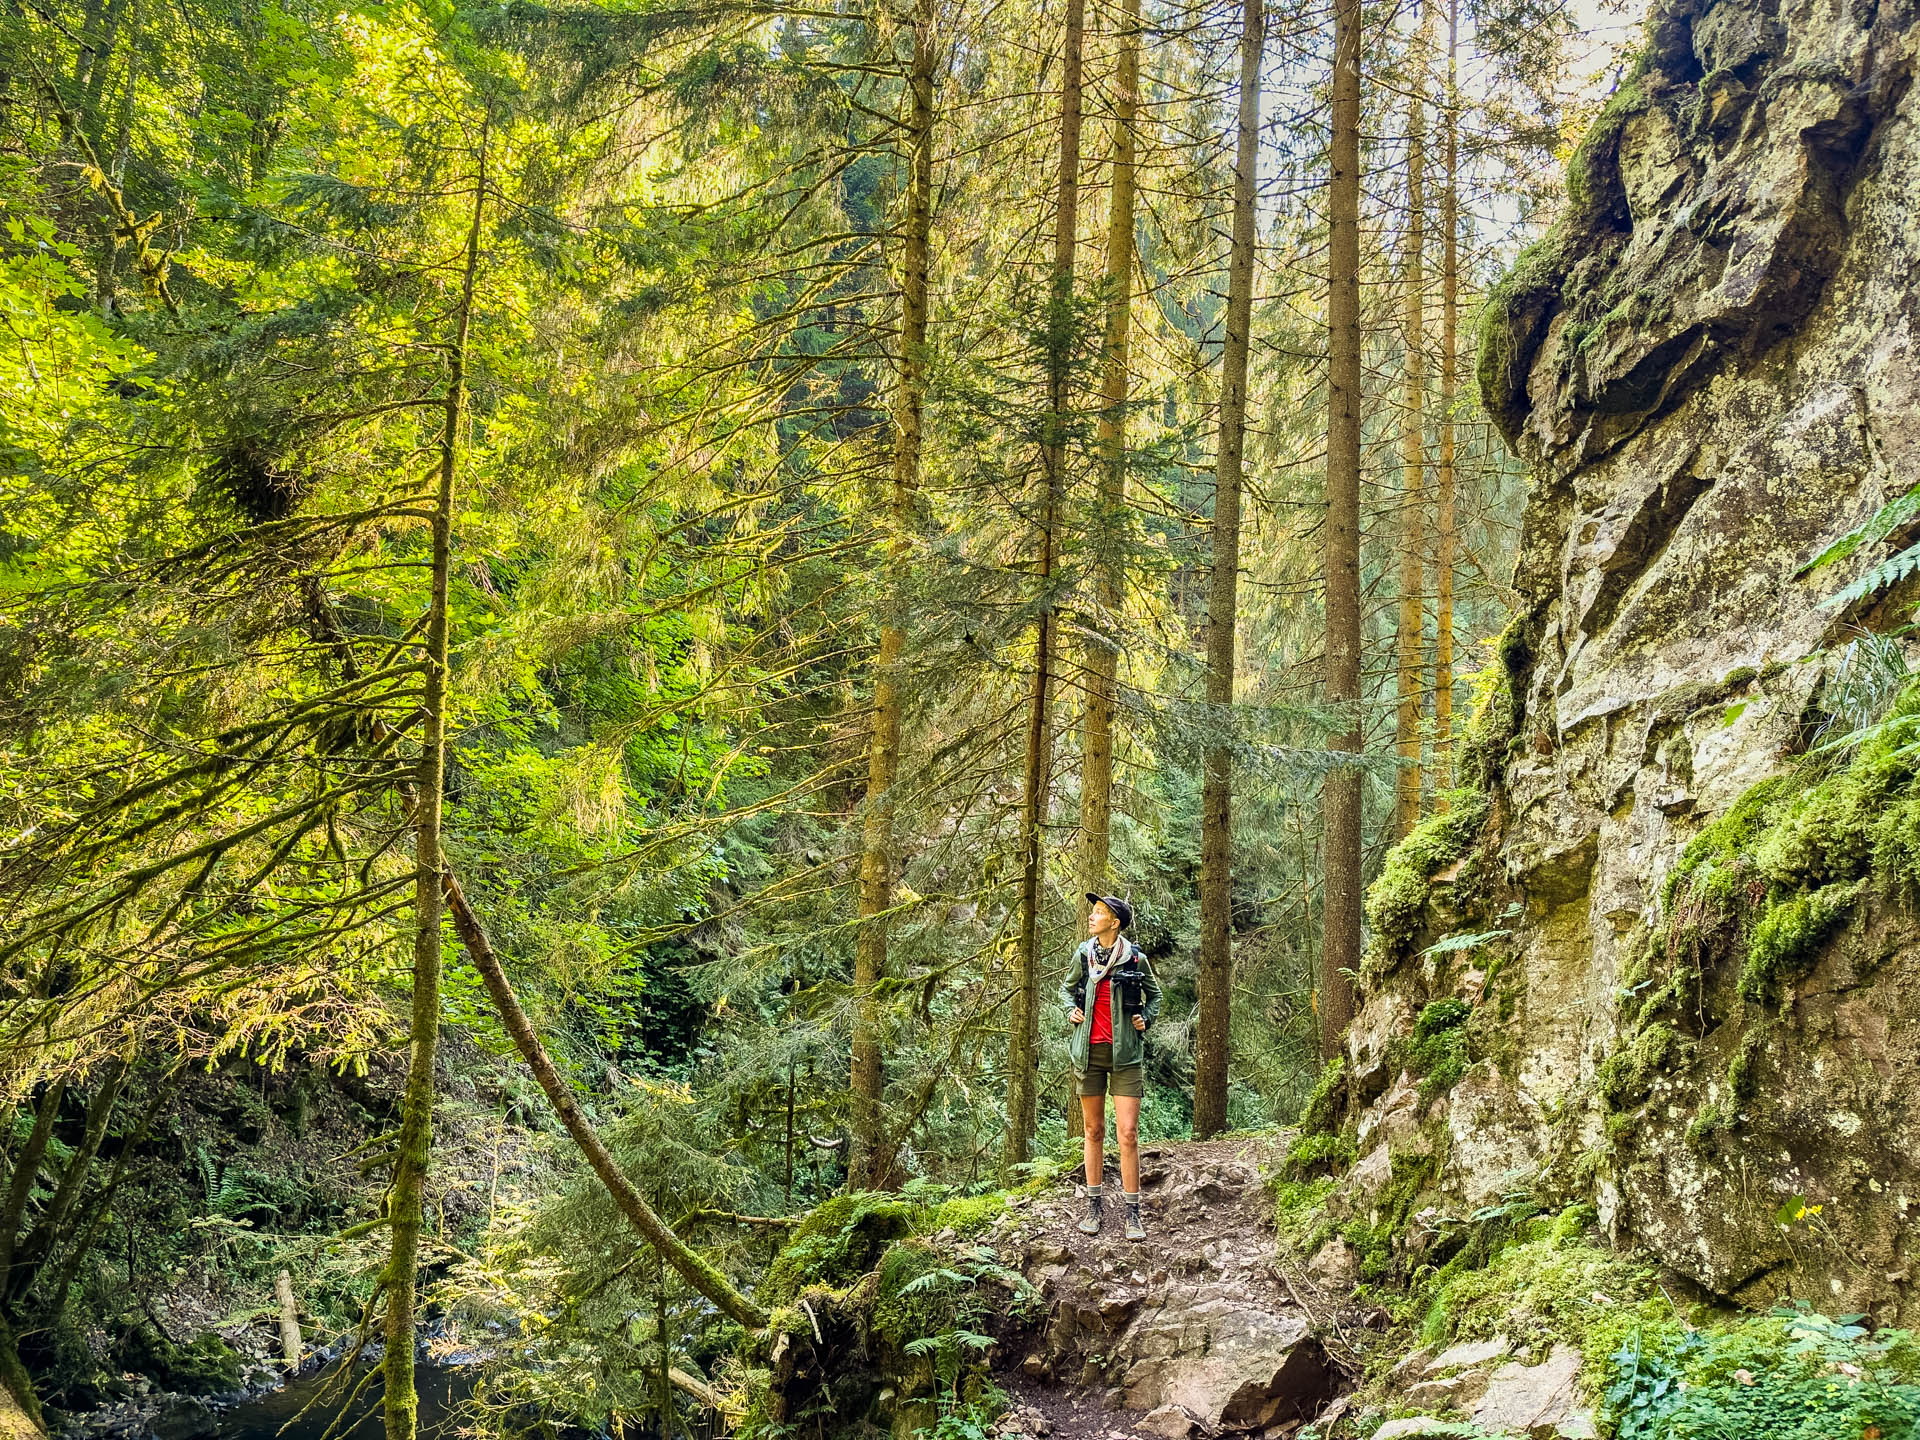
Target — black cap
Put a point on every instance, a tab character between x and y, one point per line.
1122	911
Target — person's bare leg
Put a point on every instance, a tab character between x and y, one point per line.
1093	1110
1126	1120
1093	1116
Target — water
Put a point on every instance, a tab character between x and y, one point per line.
277	1415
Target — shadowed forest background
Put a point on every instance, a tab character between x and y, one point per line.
778	498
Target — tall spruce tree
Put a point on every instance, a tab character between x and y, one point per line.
1214	989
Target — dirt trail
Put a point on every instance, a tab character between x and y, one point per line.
1194	1331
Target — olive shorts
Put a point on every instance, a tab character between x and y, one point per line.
1100	1076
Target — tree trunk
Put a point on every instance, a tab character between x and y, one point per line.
290	1343
1215	979
1102	658
405	1208
1409	643
1445	539
1340	948
1023	1021
20	1417
25	1168
867	1085
693	1267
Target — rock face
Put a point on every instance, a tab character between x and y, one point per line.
1712	366
1192	1330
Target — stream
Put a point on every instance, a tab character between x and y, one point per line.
441	1389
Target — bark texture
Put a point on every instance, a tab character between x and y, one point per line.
1342	859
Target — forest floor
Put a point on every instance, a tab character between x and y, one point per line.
1196	1330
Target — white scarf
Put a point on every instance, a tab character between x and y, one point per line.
1096	972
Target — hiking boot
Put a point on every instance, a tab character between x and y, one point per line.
1136	1230
1090	1225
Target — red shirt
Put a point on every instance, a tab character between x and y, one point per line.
1102	1033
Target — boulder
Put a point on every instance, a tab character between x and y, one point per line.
1231	1366
1169	1422
1542	1401
1470	1352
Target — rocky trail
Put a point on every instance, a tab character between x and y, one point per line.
1196	1330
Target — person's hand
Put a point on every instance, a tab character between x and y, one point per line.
1139	1022
1078	1015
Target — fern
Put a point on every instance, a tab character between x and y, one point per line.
1887	572
1882	523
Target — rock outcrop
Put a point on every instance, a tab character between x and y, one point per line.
1712	366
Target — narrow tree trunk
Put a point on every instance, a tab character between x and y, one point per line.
1102	659
1409	642
693	1267
1340	950
1215	978
25	1168
290	1342
405	1207
1023	1021
1445	539
867	1083
32	1253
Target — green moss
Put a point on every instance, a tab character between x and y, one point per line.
1318	1153
1324	1104
1299	1209
1787	941
1598	147
1397	898
839	1241
1626	1077
1713	1121
1438	1053
968	1215
1499	706
1376	1238
1549	1286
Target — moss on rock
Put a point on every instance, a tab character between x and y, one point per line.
1396	900
841	1240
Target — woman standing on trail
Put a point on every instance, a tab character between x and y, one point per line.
1111	997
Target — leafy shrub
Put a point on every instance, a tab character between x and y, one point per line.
1790	1375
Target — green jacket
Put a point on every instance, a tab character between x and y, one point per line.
1136	991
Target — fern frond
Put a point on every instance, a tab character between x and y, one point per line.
1887	572
1882	523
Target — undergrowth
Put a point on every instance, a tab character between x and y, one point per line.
1790	1375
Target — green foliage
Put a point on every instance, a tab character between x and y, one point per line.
924	1292
1790	1375
840	1240
1397	898
1297	1208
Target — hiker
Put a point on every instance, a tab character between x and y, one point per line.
1111	997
